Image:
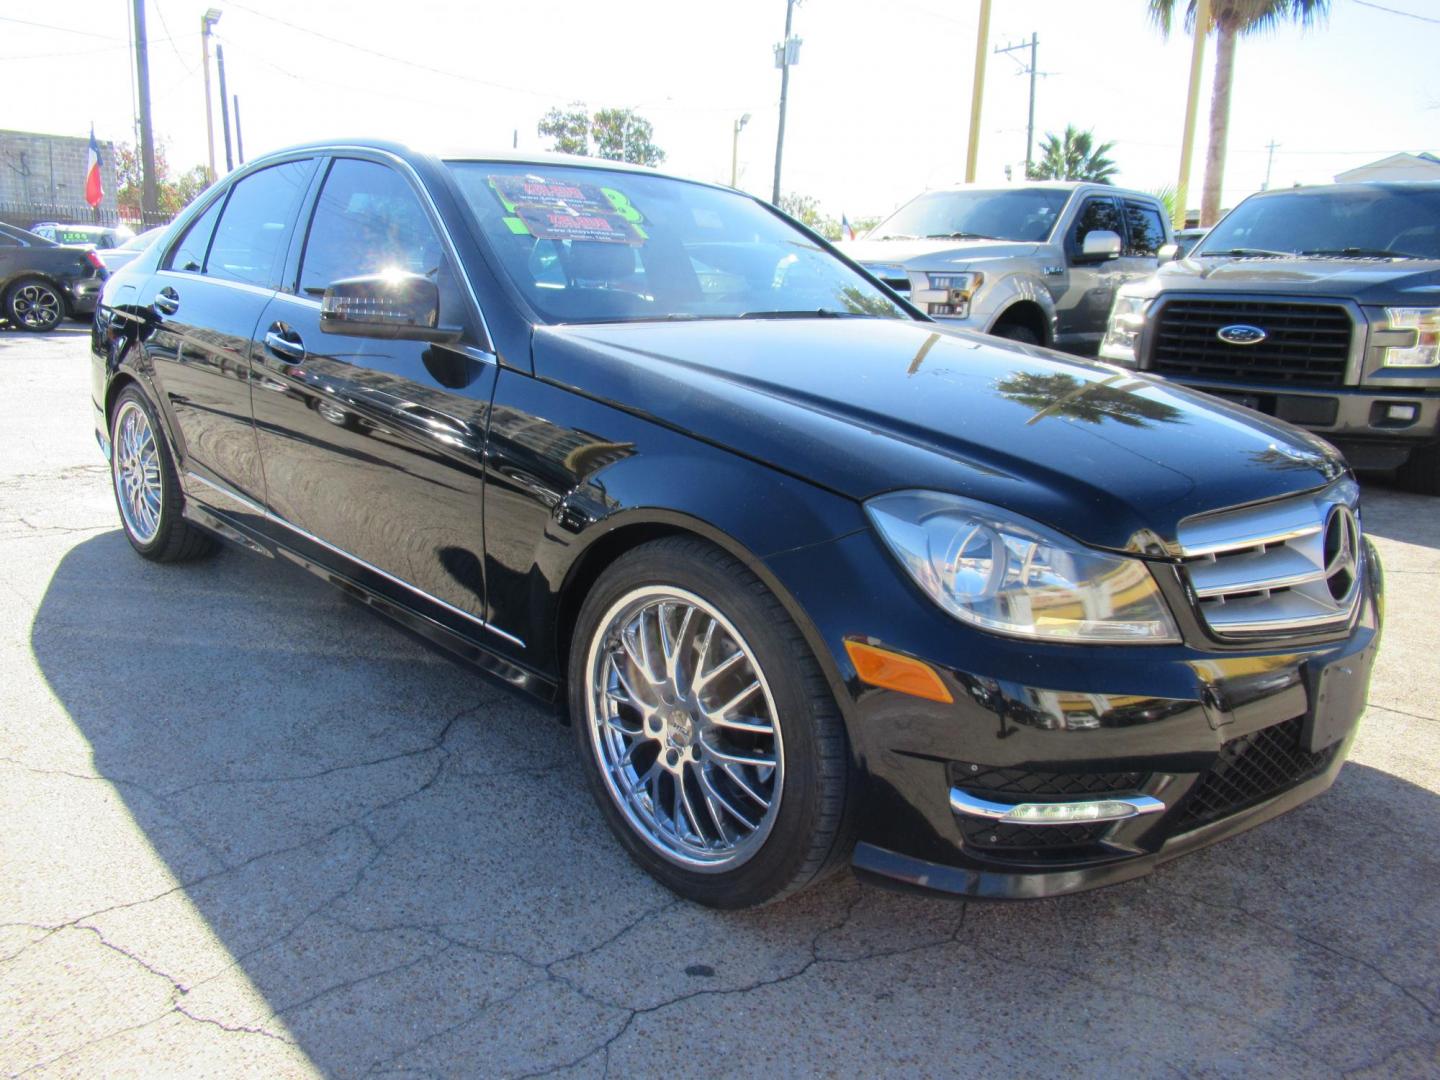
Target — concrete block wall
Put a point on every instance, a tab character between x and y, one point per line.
49	170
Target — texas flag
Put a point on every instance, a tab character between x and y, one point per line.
94	186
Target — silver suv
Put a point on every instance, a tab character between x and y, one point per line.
1038	262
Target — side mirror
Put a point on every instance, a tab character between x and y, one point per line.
1168	253
1101	244
393	305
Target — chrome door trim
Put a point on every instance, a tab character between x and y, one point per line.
276	519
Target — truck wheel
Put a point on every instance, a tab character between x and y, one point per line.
1422	472
1015	332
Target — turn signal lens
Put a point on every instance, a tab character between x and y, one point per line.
892	671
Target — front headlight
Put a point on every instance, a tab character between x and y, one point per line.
1000	572
949	293
1424	348
1122	336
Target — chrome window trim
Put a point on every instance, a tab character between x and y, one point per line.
276	519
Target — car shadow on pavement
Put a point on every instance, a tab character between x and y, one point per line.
398	867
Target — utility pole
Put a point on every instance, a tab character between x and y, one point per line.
977	93
1034	46
239	142
149	204
786	53
1192	107
224	107
207	24
1272	146
735	150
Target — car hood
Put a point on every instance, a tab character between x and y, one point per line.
863	406
1367	281
930	254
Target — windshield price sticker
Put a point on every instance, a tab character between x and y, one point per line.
558	210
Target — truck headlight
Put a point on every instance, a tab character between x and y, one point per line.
949	293
1424	350
995	570
1122	335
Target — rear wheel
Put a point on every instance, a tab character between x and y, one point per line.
35	305
147	489
1421	472
709	736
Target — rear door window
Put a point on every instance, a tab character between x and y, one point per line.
1146	229
250	241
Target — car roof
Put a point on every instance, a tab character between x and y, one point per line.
466	153
1047	185
1359	187
26	235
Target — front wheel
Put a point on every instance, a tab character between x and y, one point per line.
709	736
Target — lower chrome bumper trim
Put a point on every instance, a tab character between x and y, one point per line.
1063	812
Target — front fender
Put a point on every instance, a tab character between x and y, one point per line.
1014	289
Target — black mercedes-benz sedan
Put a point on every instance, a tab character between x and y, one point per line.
813	578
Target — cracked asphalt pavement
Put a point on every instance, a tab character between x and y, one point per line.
248	828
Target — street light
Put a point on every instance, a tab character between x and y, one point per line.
207	24
735	150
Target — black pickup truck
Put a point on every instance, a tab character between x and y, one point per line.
42	282
1320	306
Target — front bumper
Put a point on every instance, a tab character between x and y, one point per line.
1221	736
1357	419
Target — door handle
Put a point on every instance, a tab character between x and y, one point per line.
167	301
286	348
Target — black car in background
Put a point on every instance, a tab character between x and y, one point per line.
814	578
42	282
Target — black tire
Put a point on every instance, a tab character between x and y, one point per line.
174	539
811	834
35	305
1012	331
1421	471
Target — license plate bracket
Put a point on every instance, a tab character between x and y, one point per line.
1338	693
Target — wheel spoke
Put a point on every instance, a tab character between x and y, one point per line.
750	724
738	779
707	782
723	710
705	678
739	757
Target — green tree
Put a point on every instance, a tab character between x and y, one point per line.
1229	19
172	194
1074	156
617	134
569	127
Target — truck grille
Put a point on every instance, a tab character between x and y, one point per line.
1280	567
1249	769
1305	344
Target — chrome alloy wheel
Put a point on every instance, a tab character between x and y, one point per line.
36	306
684	728
135	466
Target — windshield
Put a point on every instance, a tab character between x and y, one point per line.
589	245
1379	222
1026	214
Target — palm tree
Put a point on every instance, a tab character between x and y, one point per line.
1229	19
1073	156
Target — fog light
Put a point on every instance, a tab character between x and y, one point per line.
1055	813
1401	412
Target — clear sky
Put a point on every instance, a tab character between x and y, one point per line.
879	103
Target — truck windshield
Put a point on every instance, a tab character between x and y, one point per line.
587	245
1388	221
1025	214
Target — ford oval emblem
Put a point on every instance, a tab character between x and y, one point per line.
1240	334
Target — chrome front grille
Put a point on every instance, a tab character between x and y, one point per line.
1281	567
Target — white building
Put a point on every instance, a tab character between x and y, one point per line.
1420	166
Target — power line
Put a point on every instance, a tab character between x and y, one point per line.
1397	11
62	29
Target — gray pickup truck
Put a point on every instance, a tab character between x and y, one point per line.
1038	262
1320	306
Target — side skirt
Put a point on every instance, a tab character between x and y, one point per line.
350	580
